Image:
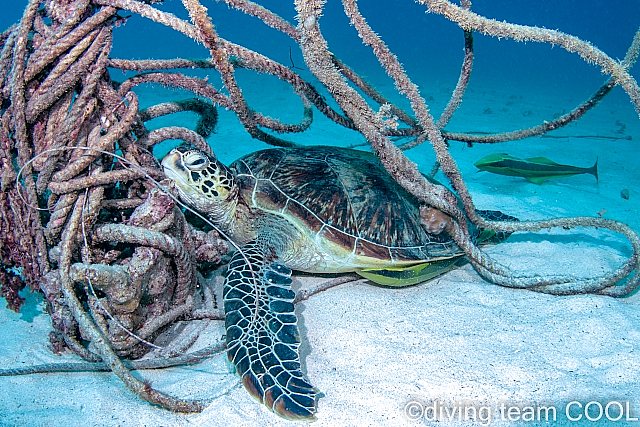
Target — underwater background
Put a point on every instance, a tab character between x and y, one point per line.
513	84
457	338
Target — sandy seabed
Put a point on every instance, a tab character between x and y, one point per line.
384	356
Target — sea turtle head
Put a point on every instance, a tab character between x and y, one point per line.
202	181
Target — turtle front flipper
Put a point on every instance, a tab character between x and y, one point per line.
262	334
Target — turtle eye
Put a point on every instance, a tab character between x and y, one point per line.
195	161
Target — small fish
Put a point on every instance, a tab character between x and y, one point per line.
535	169
399	277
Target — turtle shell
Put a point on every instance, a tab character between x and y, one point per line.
344	199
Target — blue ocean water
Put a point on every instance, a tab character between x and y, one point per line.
424	42
428	45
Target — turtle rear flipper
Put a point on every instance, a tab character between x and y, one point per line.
490	237
262	333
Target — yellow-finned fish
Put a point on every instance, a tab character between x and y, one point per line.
398	277
535	169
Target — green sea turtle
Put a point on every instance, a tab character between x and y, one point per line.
315	209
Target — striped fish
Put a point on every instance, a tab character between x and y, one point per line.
535	169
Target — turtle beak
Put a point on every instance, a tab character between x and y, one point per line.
173	166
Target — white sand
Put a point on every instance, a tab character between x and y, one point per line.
457	340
